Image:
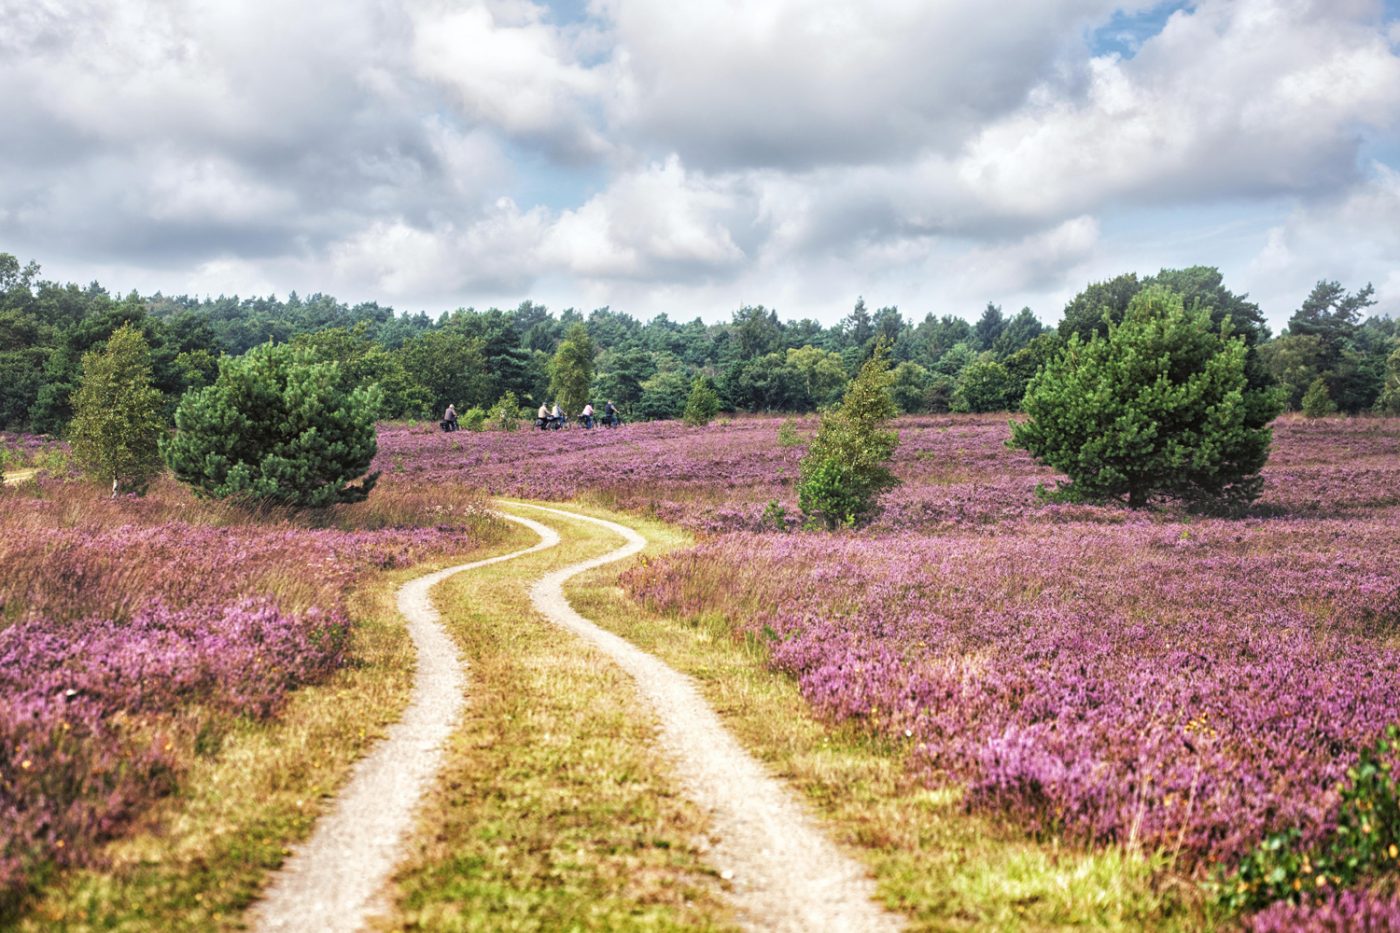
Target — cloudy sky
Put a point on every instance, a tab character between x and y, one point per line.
689	158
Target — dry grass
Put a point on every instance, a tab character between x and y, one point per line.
941	866
554	810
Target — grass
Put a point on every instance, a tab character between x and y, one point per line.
554	809
939	865
203	855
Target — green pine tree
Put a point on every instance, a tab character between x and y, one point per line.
1159	406
117	414
703	402
1317	401
276	427
846	468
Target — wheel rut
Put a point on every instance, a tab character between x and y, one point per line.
784	873
331	881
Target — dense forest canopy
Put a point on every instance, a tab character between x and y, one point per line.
757	361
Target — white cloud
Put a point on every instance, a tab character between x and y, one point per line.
510	69
1352	239
655	223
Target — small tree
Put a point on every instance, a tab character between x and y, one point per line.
275	427
571	370
703	403
1317	401
505	414
1389	401
117	423
985	385
1159	406
846	467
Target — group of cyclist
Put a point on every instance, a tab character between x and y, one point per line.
547	418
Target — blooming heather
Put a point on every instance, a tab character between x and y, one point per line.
126	623
1159	679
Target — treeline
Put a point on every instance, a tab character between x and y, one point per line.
756	361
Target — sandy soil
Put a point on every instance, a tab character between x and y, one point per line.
785	874
330	882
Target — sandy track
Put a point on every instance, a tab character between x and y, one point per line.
786	874
330	881
17	476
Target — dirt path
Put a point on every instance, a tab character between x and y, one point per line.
330	882
786	874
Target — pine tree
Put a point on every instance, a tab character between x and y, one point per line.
703	402
846	468
117	421
1160	406
276	427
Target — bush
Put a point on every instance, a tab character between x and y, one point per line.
985	385
1158	407
505	414
117	421
1317	401
274	427
787	434
1365	840
473	419
845	470
703	403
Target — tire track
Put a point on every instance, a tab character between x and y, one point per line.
331	880
785	873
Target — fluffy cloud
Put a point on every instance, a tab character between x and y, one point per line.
692	157
653	224
1353	239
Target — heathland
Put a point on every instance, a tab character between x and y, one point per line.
1151	690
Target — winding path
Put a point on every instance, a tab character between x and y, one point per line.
330	882
17	476
786	874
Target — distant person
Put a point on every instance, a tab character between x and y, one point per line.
449	418
588	415
542	416
557	416
610	417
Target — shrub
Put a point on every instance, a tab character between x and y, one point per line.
845	470
985	385
274	427
1366	840
117	422
505	414
703	403
1317	401
1158	407
473	419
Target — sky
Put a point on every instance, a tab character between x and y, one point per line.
692	158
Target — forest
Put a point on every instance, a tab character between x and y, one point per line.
1332	355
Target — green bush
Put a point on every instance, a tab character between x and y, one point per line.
1366	841
1157	407
845	469
703	403
1317	401
473	419
275	427
787	434
505	414
117	414
985	385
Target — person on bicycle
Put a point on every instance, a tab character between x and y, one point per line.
557	416
610	417
587	416
542	416
449	418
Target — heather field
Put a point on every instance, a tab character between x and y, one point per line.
1153	680
134	631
